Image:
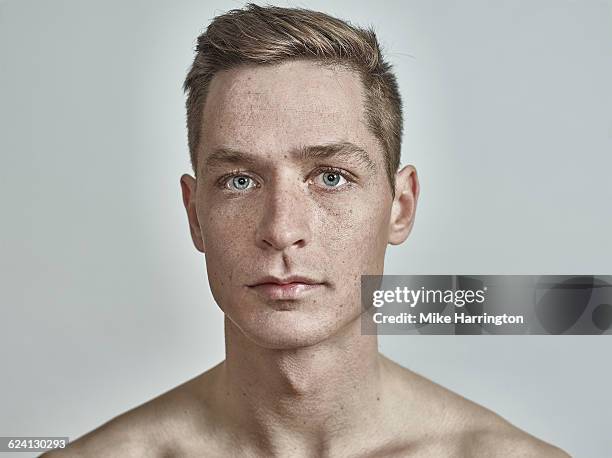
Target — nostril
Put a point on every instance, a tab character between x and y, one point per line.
283	242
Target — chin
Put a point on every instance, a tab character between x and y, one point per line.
288	329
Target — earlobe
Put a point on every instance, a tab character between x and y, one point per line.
188	188
404	205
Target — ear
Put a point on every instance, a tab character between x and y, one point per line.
188	187
404	204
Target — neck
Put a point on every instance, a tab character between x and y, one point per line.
308	396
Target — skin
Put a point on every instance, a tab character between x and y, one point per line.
299	379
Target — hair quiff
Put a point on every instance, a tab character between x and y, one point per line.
270	35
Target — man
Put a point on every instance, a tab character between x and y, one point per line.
294	124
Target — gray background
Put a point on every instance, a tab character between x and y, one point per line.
104	300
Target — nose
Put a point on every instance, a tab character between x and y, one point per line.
284	221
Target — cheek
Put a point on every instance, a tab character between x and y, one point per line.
358	242
355	231
227	239
225	233
225	227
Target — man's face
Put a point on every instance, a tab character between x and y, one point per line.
271	201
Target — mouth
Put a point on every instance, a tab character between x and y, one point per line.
286	289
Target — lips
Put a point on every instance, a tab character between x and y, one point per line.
286	280
288	288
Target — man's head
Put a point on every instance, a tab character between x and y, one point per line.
292	171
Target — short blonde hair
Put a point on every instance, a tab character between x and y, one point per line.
270	35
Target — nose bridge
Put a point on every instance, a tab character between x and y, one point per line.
284	217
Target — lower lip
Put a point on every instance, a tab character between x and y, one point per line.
284	292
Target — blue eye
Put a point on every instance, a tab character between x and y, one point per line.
240	182
332	179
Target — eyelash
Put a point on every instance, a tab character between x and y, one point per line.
238	172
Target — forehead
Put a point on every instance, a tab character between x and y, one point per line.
278	108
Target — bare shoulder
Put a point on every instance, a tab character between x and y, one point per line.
131	434
456	426
509	441
159	428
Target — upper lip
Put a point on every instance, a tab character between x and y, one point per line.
285	280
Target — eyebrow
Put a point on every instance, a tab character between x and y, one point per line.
340	150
